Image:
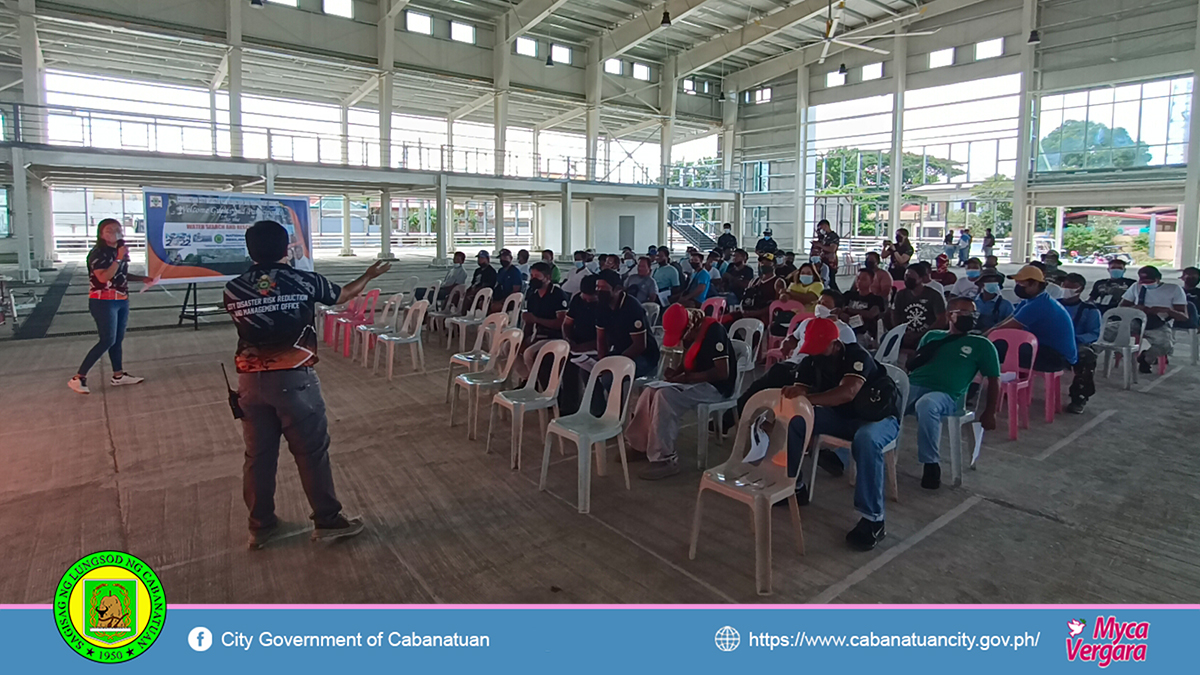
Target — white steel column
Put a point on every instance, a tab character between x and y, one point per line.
801	186
346	248
20	216
729	115
501	69
1187	229
565	224
664	216
896	175
1022	225
345	131
385	225
444	243
500	221
1059	223
589	237
593	81
33	74
667	90
233	35
387	64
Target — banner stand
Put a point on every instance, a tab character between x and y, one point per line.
195	311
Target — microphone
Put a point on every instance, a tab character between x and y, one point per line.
120	243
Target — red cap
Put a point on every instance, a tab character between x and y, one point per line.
818	334
675	323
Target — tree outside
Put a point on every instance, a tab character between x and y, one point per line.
1076	144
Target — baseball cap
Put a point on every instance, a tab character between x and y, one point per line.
484	254
675	323
769	257
610	277
504	252
1027	273
818	335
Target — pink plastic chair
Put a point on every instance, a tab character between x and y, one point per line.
365	316
327	332
776	355
1018	391
1053	384
773	341
714	307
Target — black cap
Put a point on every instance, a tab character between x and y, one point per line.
610	277
588	284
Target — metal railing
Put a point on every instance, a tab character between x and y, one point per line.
74	126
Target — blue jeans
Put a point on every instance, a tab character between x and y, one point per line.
111	317
930	407
868	439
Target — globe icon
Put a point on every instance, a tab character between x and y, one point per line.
728	639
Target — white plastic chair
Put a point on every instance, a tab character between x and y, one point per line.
762	486
889	346
512	307
474	317
504	354
652	310
955	423
409	288
889	451
431	293
1125	343
452	308
367	333
409	334
587	431
706	411
750	331
477	358
529	398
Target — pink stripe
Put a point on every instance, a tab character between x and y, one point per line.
593	607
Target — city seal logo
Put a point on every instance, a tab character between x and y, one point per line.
109	607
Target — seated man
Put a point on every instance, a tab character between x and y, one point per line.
545	311
697	289
640	284
1052	287
666	276
1086	319
942	274
968	286
484	277
628	262
823	270
854	399
555	273
881	282
942	370
508	281
990	262
926	271
707	375
991	306
1053	271
1049	321
622	328
579	330
571	284
737	278
863	308
1163	304
788	267
760	293
1191	277
455	276
522	264
919	306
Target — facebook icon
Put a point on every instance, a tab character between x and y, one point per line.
200	639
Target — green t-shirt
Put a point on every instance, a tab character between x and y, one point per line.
954	367
555	274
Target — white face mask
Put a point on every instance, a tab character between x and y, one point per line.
1068	293
823	312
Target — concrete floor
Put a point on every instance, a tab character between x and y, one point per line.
1098	508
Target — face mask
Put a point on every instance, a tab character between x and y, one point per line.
1070	293
505	263
1022	293
767	237
605	297
992	287
1116	274
822	312
1148	284
766	270
806	279
974	274
535	284
910	284
630	263
695	265
871	265
814	259
1051	265
578	264
964	323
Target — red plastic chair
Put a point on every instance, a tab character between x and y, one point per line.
1053	384
328	332
776	355
365	316
1018	391
774	341
714	307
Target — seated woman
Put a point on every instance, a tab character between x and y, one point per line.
707	375
804	286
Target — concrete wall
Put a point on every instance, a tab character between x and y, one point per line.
551	219
606	216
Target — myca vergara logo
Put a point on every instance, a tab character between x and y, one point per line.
109	607
1111	641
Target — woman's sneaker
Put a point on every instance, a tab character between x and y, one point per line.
79	385
125	378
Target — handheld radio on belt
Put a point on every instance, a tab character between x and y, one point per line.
233	397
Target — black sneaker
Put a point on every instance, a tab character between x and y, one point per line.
828	460
660	470
866	535
1075	407
262	537
932	478
801	495
341	528
1144	366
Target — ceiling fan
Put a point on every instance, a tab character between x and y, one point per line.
837	18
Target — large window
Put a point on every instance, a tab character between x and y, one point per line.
613	66
418	23
641	71
1118	127
340	8
962	133
462	32
526	46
